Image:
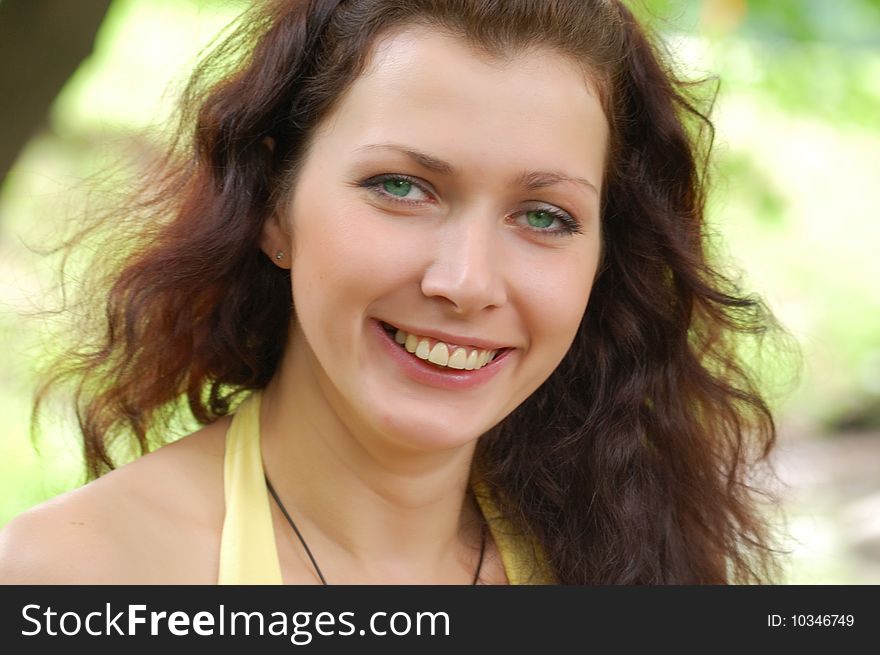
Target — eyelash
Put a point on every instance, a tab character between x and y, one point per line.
570	225
374	183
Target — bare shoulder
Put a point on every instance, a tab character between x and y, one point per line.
156	520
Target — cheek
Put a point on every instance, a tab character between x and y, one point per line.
559	317
551	309
557	299
327	236
348	256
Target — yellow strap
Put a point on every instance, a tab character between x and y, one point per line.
247	547
523	559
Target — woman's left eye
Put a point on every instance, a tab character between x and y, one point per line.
397	187
541	219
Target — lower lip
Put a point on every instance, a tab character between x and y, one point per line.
434	376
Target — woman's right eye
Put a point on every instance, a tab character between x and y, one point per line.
399	188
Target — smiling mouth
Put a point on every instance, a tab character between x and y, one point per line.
440	354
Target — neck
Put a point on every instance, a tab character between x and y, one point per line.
369	509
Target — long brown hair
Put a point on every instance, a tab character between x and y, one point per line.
630	463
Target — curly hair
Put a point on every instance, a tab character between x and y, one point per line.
630	464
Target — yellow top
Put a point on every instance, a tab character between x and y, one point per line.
247	546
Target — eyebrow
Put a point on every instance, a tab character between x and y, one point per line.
427	161
529	180
541	179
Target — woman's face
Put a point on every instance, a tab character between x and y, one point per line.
455	198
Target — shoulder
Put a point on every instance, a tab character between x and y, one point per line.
155	520
68	539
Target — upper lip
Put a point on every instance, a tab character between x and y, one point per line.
448	337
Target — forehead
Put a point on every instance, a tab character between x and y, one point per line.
432	90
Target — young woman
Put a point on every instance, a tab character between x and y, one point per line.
433	277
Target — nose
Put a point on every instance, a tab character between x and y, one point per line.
466	268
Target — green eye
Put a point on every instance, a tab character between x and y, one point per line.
397	187
540	218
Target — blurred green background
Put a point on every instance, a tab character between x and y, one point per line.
796	203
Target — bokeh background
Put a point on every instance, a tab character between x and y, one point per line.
86	85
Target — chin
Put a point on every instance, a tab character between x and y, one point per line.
430	436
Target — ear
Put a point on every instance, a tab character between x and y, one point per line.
276	241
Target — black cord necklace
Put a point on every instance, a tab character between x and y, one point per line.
312	557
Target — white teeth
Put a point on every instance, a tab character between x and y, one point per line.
458	359
424	349
439	354
461	358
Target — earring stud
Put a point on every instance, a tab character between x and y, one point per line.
279	254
